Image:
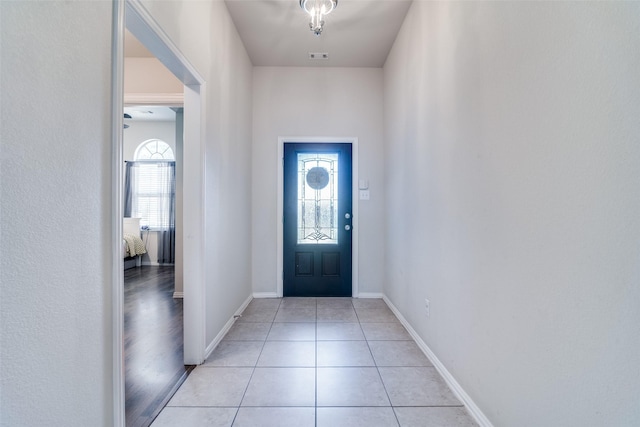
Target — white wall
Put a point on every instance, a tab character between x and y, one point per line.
511	147
204	33
316	102
149	76
55	174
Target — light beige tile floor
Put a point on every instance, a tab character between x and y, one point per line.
315	362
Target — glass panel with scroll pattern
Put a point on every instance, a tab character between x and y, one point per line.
317	198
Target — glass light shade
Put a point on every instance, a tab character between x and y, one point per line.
324	7
317	9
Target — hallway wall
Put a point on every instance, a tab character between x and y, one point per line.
314	102
55	213
512	183
205	34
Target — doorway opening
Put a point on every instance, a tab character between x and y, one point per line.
153	306
132	16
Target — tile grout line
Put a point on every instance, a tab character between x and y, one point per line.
244	393
375	362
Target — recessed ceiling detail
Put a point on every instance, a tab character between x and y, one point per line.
318	55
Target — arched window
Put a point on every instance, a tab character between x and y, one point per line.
154	149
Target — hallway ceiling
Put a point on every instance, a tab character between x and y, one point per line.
359	33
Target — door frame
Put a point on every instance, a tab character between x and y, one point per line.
280	211
133	15
144	27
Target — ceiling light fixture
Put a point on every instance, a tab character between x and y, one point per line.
317	9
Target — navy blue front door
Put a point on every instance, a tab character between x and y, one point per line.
317	219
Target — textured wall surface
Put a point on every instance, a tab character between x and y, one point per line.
513	203
315	102
55	174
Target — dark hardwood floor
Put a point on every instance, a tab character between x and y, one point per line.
153	342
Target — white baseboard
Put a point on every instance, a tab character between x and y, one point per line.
370	295
213	344
178	294
243	306
265	295
457	389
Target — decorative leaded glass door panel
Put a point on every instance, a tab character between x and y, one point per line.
317	219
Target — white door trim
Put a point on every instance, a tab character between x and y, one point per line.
133	15
117	212
280	212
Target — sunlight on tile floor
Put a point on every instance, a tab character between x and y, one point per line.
325	362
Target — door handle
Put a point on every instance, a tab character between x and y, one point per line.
347	215
347	227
